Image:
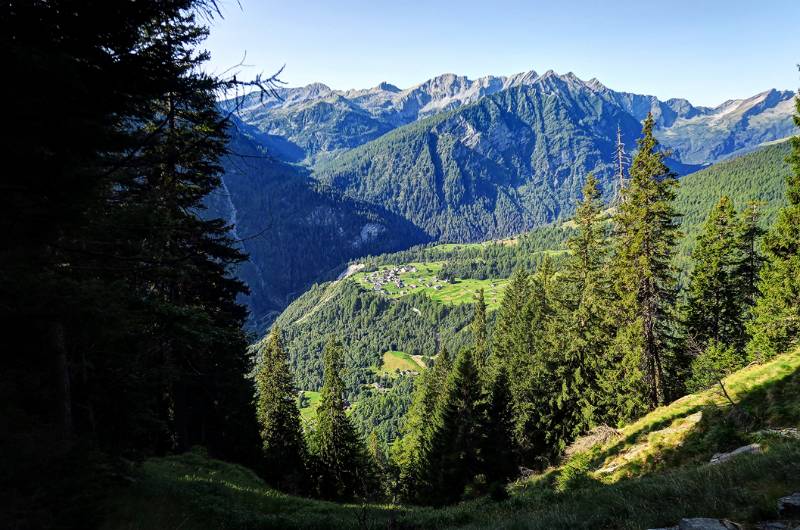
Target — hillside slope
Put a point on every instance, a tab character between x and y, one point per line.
670	479
387	311
294	230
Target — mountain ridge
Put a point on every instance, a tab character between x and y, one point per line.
386	107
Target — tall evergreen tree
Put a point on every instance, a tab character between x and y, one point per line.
452	461
498	454
129	288
748	270
580	335
644	240
521	347
715	303
278	416
409	451
479	332
512	333
340	455
775	326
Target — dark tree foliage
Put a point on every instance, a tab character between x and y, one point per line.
581	332
479	332
118	295
499	451
278	417
723	283
714	311
452	458
340	463
410	450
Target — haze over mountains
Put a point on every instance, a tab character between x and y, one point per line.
451	159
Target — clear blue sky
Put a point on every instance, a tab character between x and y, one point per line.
705	50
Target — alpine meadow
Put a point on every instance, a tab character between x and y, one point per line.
243	300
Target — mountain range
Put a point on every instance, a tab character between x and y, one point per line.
320	176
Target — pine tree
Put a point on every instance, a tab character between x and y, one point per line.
340	458
278	416
478	327
775	326
644	239
452	461
715	303
511	333
498	455
581	332
748	270
409	451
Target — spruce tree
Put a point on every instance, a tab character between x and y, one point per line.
521	347
340	458
452	459
715	298
278	416
644	239
748	269
409	451
511	333
581	332
479	333
499	455
775	326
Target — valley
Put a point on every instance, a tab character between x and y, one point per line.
452	160
239	297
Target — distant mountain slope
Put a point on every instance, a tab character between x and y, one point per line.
295	231
321	122
505	164
451	159
757	176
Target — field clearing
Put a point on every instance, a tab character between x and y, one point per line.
394	361
424	279
309	412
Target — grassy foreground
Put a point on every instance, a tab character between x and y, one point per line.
651	474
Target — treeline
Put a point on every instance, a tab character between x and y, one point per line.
602	339
122	333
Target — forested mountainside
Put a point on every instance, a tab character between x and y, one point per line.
451	159
420	320
509	162
294	230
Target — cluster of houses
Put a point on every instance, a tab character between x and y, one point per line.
379	279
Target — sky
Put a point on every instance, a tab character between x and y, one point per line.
707	51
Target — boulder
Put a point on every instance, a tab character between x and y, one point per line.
747	449
789	507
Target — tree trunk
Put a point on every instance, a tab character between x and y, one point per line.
63	394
